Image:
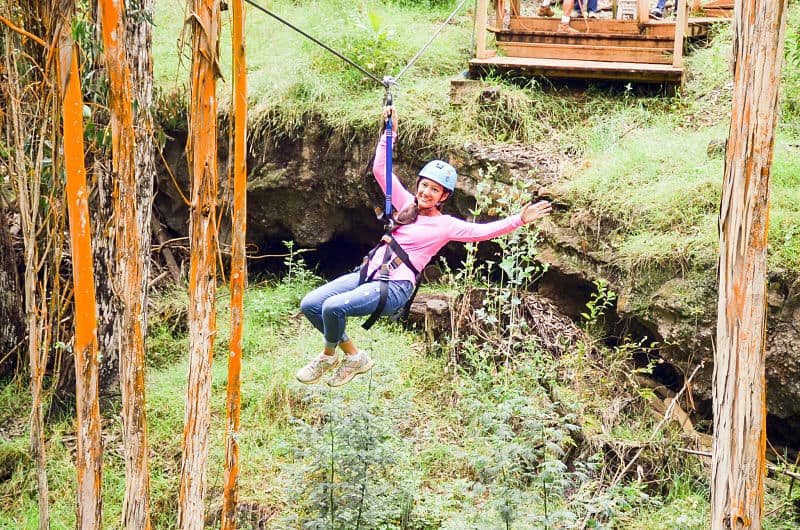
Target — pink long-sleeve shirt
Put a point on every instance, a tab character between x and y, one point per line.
424	238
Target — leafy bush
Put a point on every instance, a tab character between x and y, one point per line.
373	44
348	469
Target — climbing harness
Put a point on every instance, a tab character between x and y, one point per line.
394	256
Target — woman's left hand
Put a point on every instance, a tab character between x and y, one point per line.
531	212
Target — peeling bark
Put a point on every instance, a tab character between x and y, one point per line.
238	269
201	152
738	465
128	282
27	122
12	330
89	450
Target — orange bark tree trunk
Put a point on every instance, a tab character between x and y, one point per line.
238	268
738	463
89	451
128	267
201	151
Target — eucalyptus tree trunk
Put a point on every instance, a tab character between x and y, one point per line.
29	131
738	463
104	238
12	329
238	268
127	276
201	151
89	443
140	46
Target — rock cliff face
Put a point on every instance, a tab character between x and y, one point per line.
309	188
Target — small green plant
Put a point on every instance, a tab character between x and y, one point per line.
374	45
348	465
599	302
297	272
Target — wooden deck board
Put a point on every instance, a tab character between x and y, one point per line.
623	50
618	54
595	25
576	69
594	39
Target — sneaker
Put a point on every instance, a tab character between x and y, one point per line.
545	11
656	14
351	368
314	370
566	28
594	14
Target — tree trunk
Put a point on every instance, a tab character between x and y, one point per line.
104	242
89	450
140	44
128	284
201	150
27	193
238	269
738	466
28	130
12	330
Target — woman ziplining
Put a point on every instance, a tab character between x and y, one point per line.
387	280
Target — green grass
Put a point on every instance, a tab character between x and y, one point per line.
655	193
457	445
651	189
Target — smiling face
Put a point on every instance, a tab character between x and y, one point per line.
430	193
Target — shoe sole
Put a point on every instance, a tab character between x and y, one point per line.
364	369
312	381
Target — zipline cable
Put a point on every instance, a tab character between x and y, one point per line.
387	81
320	43
430	41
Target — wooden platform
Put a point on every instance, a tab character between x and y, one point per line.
579	69
616	50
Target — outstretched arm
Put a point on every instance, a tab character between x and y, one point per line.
467	232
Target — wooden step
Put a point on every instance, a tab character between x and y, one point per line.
585	70
656	28
624	54
718	12
723	4
591	39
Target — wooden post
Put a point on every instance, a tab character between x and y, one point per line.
480	51
644	11
500	14
680	30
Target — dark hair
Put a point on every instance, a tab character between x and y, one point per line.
408	215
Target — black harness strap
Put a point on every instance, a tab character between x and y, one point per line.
394	257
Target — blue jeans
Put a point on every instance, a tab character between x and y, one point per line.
327	307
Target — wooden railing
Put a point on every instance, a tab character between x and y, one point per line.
643	8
